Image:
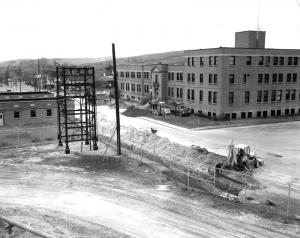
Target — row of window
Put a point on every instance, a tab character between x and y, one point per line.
262	61
138	75
265	113
263	96
190	94
172	75
134	87
17	114
277	78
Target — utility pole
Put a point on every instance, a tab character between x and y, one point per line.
116	99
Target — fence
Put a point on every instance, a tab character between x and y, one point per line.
282	198
25	136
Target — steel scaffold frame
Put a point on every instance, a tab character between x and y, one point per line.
76	106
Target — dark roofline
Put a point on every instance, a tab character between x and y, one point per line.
26	99
22	93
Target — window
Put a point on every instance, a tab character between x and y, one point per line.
16	114
193	61
295	60
249	114
258	113
193	78
294	78
275	60
278	112
127	74
281	60
138	88
266	95
288	78
231	98
268	59
181	76
265	113
244	78
210	59
273	96
169	92
287	111
231	78
201	61
132	74
248	60
188	61
188	77
287	94
290	60
49	112
260	60
210	78
122	86
133	87
127	86
201	78
201	96
274	78
259	96
181	92
146	75
243	114
215	78
293	94
188	94
247	97
209	96
233	116
139	75
122	74
216	60
266	78
156	77
279	95
280	78
32	113
273	112
177	76
232	60
192	94
215	97
146	88
260	78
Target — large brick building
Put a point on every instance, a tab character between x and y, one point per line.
27	108
244	81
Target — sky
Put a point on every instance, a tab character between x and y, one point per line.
87	28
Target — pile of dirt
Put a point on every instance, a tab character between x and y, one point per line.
133	111
171	151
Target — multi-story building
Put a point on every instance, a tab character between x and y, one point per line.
244	81
27	108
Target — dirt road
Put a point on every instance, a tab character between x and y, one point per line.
117	199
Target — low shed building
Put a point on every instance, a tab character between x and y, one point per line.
27	108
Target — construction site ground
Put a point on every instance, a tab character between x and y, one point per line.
88	195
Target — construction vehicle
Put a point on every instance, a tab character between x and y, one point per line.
241	158
179	109
160	108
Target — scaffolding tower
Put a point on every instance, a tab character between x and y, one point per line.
76	106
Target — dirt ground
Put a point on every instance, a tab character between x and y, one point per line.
84	195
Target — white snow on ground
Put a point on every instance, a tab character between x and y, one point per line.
277	143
